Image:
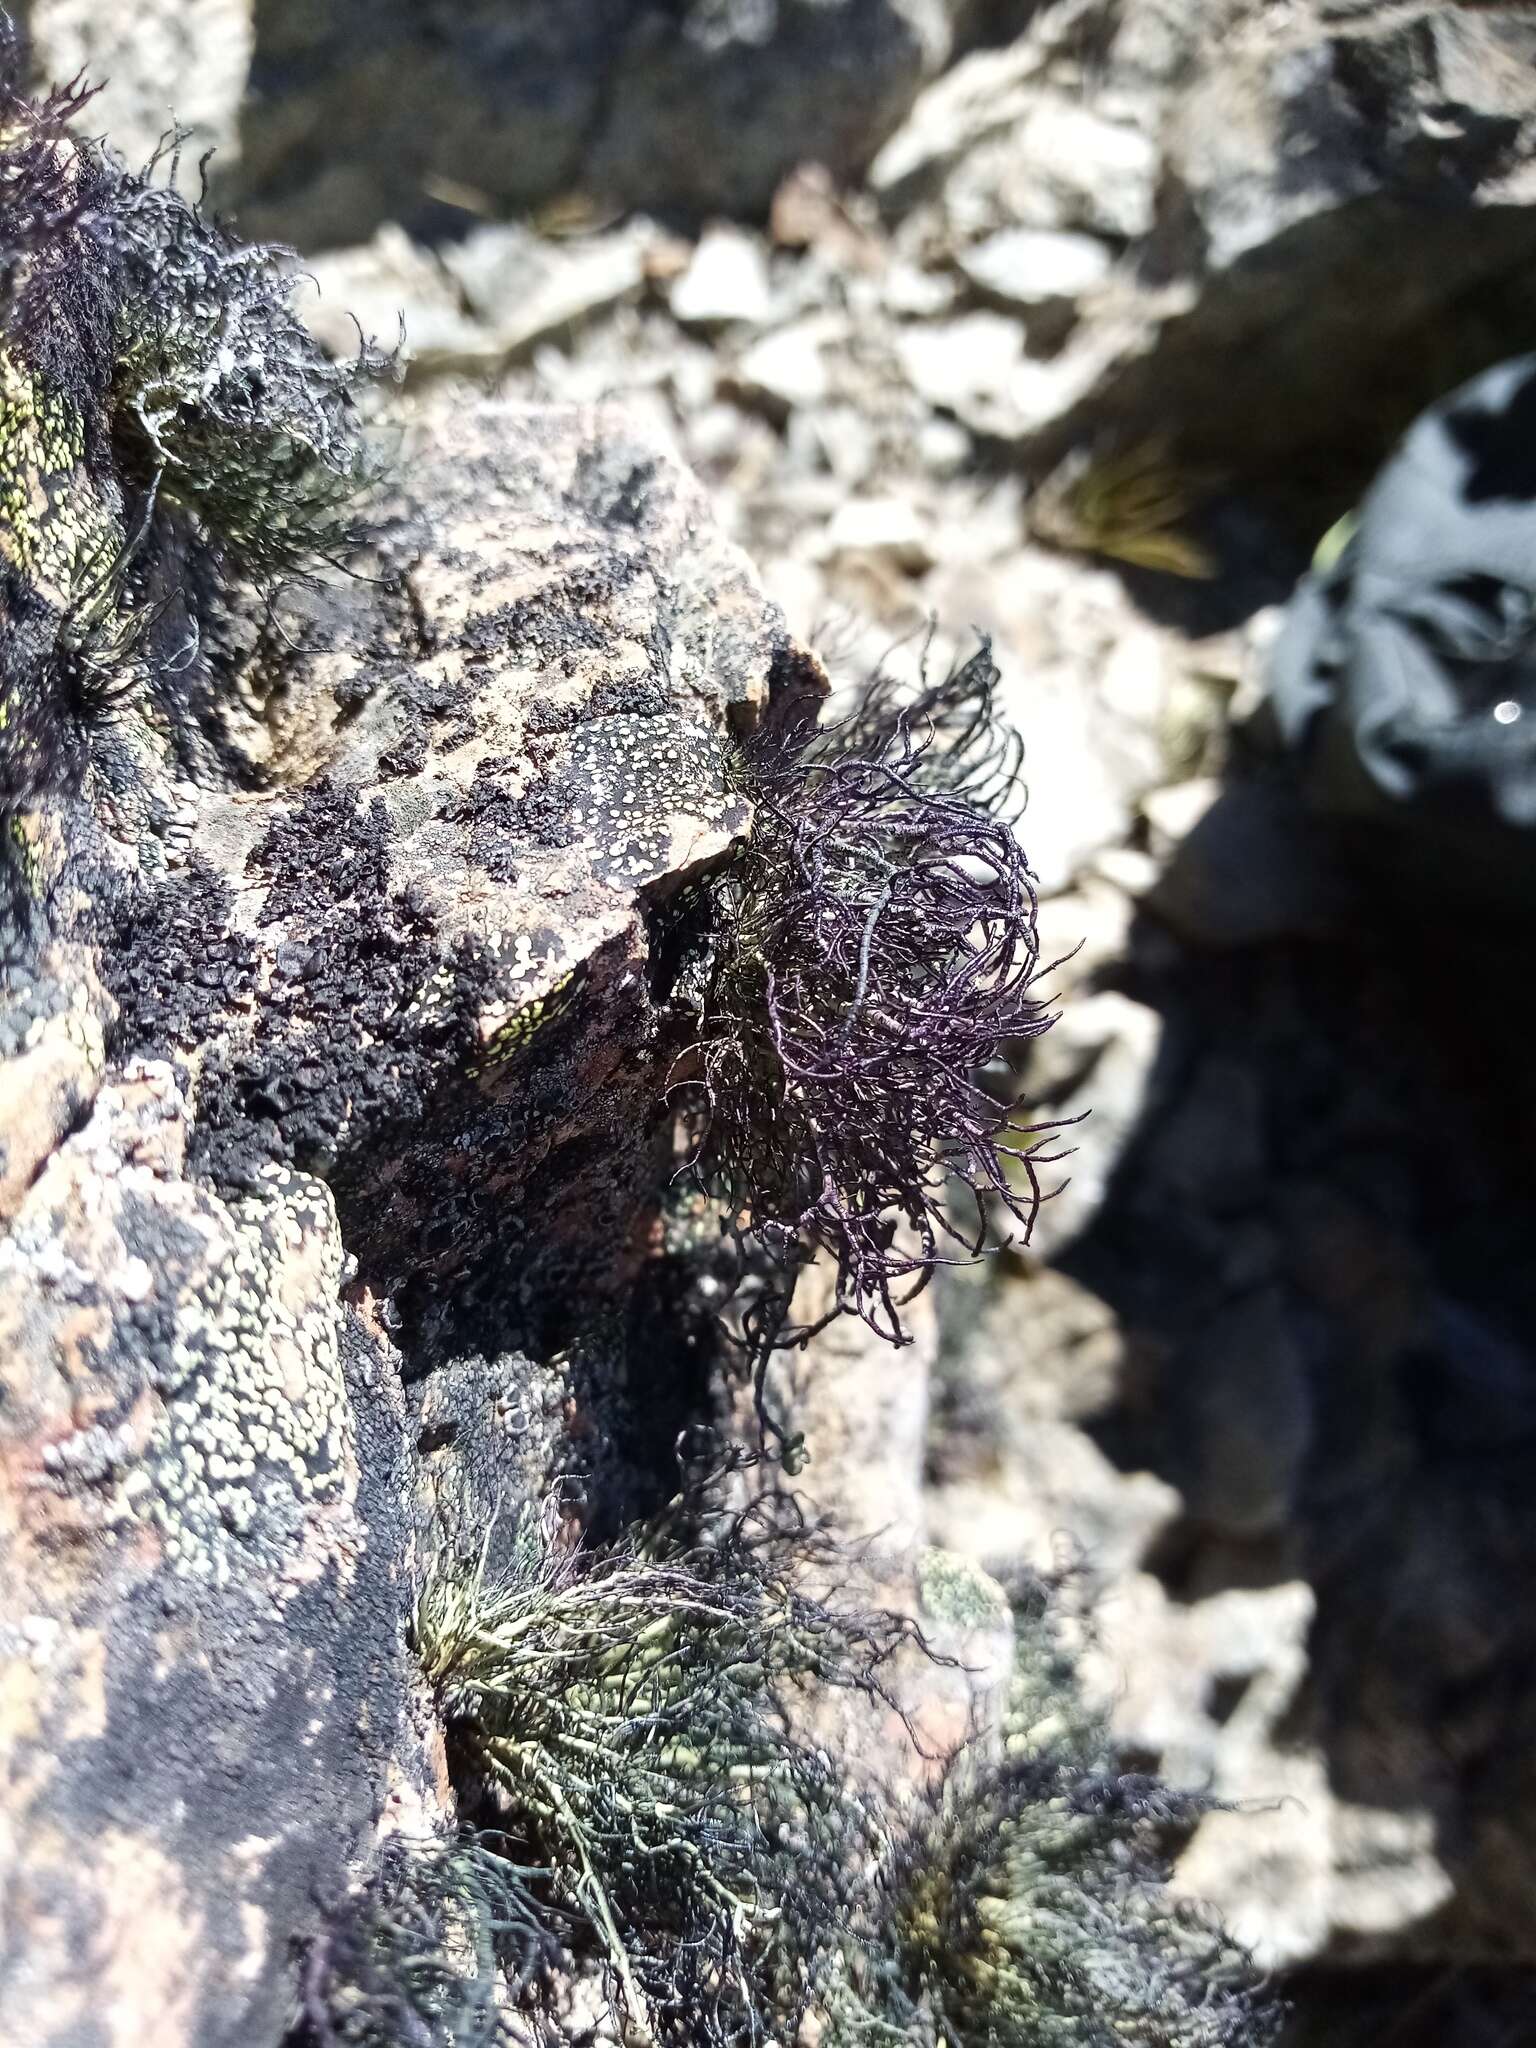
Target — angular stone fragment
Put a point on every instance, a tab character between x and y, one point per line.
1033	267
725	283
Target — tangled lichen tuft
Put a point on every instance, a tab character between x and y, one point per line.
860	962
223	402
41	196
629	1718
431	1952
168	432
636	1726
1023	1903
1028	1911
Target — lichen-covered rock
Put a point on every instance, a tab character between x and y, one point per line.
52	1051
423	972
202	1678
363	1079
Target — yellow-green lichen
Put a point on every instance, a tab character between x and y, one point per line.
955	1589
54	527
526	1022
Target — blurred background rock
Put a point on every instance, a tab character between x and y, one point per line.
1080	325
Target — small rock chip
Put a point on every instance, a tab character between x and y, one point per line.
888	527
726	282
955	361
1028	267
785	371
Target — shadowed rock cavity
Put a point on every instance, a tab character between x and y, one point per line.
1312	167
693	107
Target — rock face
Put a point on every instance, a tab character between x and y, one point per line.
159	66
1316	160
1272	1380
466	879
205	1550
355	1043
1265	1370
700	108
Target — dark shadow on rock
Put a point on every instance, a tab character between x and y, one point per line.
1299	364
1317	1246
1259	559
368	111
1413	2006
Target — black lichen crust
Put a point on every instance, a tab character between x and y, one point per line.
366	1065
630	776
174	963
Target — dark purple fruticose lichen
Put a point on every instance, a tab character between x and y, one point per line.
868	955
